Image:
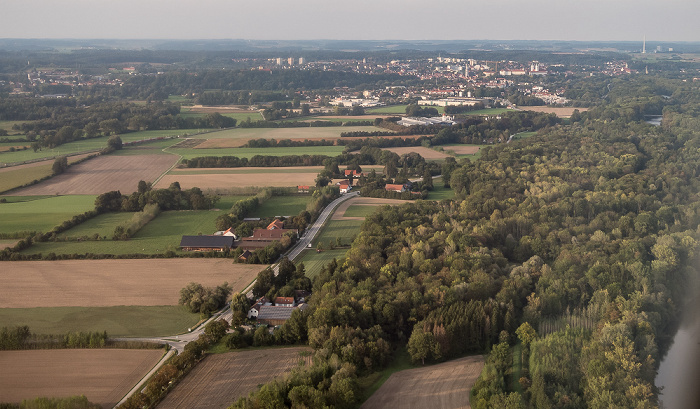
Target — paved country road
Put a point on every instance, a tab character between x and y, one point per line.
178	342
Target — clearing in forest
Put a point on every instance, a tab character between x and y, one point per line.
561	112
444	386
224	378
426	153
103	174
104	376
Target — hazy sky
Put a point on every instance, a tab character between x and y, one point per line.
660	20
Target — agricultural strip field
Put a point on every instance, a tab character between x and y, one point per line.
462	149
104	376
444	386
102	225
42	214
158	236
426	153
246	170
224	378
282	206
487	111
100	283
396	109
118	321
561	112
103	174
189	153
228	180
314	132
15	176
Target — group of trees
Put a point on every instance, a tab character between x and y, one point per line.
204	300
20	337
172	198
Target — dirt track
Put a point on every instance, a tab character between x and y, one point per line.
442	386
103	283
224	378
103	174
103	375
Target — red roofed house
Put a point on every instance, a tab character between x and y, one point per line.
353	172
276	224
395	188
284	301
303	188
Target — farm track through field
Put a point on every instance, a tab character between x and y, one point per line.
224	378
102	375
442	386
104	283
103	174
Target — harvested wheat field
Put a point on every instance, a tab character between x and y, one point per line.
103	174
224	378
106	283
561	112
461	149
442	386
339	213
426	153
104	376
228	180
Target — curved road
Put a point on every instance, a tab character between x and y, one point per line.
178	342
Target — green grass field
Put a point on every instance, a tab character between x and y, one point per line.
102	225
7	125
42	214
160	235
314	262
360	210
250	152
121	321
524	135
282	206
238	116
487	111
449	150
345	229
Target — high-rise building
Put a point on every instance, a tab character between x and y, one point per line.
279	61
290	60
302	61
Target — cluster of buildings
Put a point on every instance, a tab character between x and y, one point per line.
228	239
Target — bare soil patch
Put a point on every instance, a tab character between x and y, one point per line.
104	376
339	213
443	386
225	181
224	378
104	283
426	153
462	150
561	112
103	174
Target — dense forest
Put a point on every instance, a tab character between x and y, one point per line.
576	244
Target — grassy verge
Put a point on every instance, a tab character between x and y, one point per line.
121	321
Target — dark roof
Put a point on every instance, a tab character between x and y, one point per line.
275	312
207	241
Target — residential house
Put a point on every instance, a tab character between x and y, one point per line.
395	188
285	301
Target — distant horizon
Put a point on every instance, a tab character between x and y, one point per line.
412	20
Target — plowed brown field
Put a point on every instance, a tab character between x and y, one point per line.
104	376
224	181
426	153
103	174
442	386
224	378
104	283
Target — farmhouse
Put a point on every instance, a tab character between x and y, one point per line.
276	224
206	243
395	188
353	172
303	188
285	301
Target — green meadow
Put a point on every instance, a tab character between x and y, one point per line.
281	206
360	210
314	262
42	214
